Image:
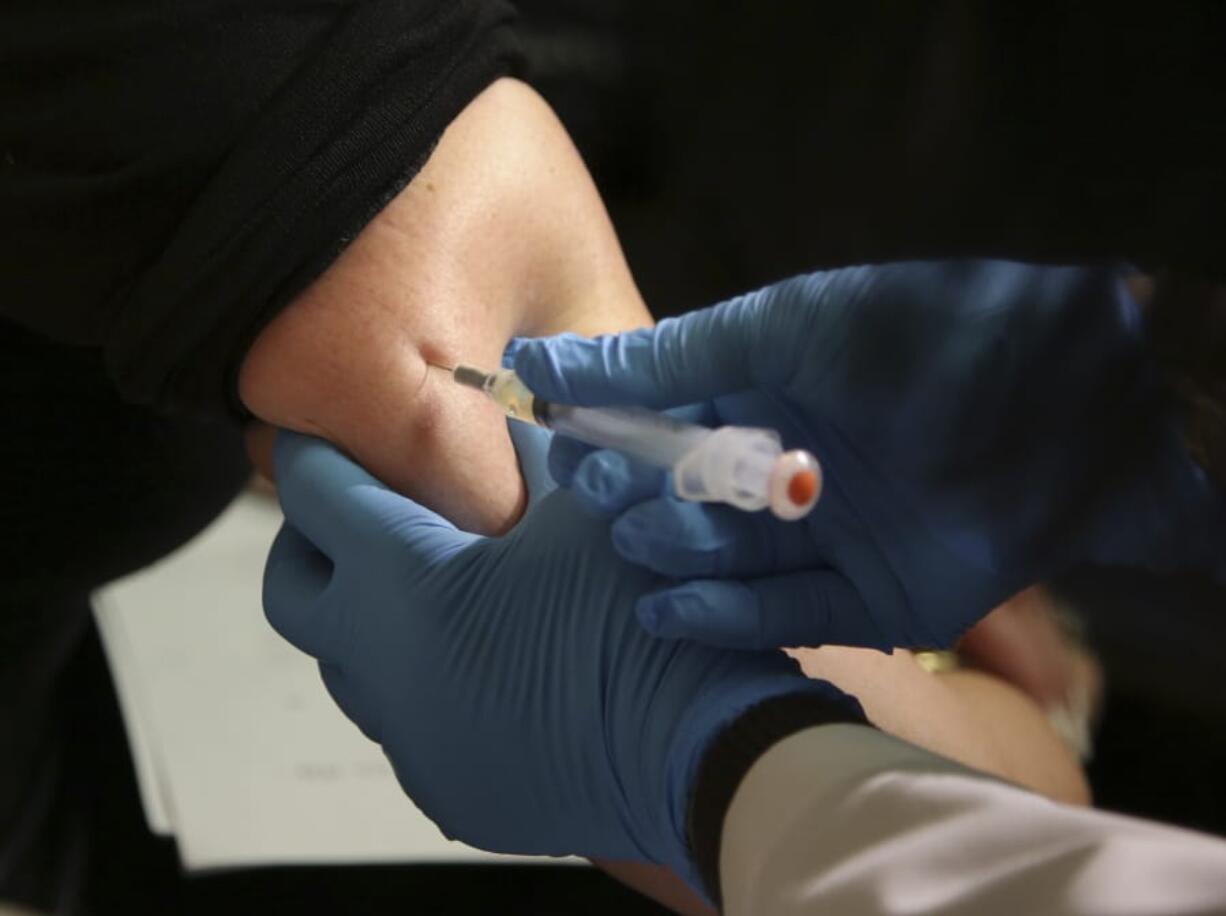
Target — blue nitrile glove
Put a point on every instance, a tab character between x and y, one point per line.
521	705
980	425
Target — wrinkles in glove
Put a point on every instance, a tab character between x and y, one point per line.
522	707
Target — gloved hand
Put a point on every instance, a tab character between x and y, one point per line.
522	707
980	425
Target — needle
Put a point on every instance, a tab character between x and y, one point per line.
440	366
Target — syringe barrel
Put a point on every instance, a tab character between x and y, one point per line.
732	464
741	466
651	437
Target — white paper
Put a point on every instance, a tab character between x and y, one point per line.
137	720
240	751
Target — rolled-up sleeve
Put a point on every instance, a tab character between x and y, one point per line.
172	175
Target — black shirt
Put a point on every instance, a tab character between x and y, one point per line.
173	173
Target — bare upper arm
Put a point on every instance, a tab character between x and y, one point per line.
500	233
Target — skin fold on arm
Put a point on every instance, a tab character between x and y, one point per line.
502	233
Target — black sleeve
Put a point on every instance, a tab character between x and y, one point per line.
172	174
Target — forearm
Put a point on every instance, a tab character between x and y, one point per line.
500	233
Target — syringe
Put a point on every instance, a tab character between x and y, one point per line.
742	466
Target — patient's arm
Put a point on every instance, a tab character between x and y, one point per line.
500	233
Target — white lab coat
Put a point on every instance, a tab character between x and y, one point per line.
846	821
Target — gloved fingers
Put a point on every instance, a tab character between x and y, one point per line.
326	495
343	693
298	600
565	456
347	513
682	360
689	540
508	352
799	609
533	449
607	483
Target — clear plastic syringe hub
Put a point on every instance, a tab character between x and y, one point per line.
747	468
504	388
